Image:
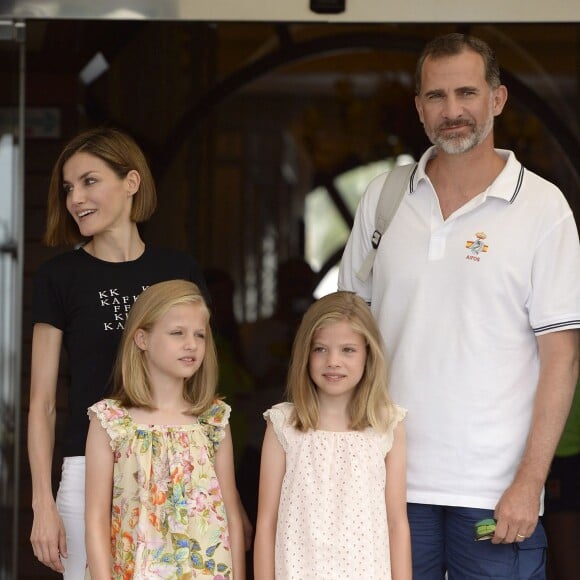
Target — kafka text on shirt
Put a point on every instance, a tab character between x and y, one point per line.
117	307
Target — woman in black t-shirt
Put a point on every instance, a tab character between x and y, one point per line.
100	188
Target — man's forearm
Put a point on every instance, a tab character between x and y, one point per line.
556	385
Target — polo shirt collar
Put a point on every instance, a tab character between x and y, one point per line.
506	185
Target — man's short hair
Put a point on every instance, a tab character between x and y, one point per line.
454	44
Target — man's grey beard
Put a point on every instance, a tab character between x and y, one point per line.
461	144
457	144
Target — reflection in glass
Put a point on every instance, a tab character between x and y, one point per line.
326	230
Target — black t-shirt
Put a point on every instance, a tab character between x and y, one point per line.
89	299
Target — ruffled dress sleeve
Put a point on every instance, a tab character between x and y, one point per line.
214	421
114	419
387	438
279	415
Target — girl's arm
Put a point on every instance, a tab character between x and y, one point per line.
272	470
48	536
224	468
98	497
396	499
246	525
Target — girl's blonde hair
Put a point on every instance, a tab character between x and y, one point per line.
120	152
370	405
131	377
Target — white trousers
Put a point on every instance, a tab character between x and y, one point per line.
70	502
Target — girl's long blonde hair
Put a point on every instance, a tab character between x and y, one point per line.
370	405
132	384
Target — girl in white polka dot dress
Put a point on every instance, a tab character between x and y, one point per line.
332	500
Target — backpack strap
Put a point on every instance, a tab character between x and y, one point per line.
392	193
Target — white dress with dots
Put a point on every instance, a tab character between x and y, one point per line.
332	520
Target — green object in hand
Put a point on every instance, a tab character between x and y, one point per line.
484	529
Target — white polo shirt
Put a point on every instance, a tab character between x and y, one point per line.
459	303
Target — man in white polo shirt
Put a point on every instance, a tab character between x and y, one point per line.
476	289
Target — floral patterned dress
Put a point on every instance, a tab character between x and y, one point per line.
168	515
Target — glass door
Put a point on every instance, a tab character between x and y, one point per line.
12	53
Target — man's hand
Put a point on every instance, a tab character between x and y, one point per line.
516	513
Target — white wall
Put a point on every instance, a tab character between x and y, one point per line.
389	10
420	11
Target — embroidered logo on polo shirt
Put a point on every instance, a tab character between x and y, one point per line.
476	247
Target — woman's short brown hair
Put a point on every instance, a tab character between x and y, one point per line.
122	154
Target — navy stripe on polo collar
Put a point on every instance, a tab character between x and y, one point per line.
506	186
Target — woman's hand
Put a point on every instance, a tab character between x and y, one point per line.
48	537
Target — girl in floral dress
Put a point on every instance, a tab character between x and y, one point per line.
332	497
161	500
